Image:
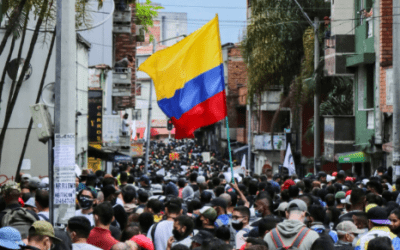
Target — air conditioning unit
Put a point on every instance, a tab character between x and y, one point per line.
42	121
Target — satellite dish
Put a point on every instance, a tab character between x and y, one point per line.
48	95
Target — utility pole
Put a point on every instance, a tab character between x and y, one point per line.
396	90
62	182
317	144
249	138
317	140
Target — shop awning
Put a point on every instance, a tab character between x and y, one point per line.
352	157
106	155
359	59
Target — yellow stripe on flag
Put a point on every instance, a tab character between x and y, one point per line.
172	67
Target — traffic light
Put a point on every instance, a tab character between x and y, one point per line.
169	124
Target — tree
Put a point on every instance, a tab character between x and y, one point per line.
273	47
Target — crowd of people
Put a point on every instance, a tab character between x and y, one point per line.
185	202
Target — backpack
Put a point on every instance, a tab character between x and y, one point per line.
276	238
19	219
43	217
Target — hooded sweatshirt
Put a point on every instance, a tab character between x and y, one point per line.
288	231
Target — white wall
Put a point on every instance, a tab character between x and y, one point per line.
342	10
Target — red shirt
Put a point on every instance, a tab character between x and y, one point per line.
101	238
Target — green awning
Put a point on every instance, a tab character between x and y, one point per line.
364	58
352	157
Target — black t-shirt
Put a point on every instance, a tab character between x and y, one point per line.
195	187
120	216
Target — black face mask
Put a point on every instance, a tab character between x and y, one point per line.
237	225
85	203
177	235
396	230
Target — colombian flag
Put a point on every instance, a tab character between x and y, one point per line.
189	80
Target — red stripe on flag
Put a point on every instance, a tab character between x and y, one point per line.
206	113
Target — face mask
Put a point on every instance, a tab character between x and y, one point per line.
177	235
85	203
354	241
237	225
396	230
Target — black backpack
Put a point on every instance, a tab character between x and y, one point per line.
276	238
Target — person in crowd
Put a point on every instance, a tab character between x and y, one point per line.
316	218
10	238
14	214
154	207
208	215
129	197
110	195
143	197
347	232
182	232
161	232
380	243
378	225
220	205
78	229
286	232
240	222
100	236
201	239
41	236
87	199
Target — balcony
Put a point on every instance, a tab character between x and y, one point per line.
232	133
122	18
122	82
263	142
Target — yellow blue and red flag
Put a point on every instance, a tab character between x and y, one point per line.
189	80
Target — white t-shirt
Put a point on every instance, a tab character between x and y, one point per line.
43	215
90	216
240	240
84	246
124	127
162	234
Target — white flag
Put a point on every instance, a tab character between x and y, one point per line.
161	172
289	162
133	127
244	161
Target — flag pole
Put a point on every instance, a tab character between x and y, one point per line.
229	147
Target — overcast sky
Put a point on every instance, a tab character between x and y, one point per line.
232	15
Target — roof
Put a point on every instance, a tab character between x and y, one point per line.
83	41
148	50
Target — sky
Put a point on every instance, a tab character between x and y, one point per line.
231	13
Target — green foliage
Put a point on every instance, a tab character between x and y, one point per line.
273	47
145	13
338	101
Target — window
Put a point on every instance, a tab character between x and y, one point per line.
137	114
138	89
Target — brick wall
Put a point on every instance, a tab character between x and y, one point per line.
155	31
386	49
237	78
125	44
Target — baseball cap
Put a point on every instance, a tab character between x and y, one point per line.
10	238
219	202
297	205
346	227
282	207
252	233
208	212
26	177
44	228
143	242
109	190
200	179
378	215
145	178
340	195
34	182
30	202
10	185
202	236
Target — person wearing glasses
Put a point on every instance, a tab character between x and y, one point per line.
240	222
